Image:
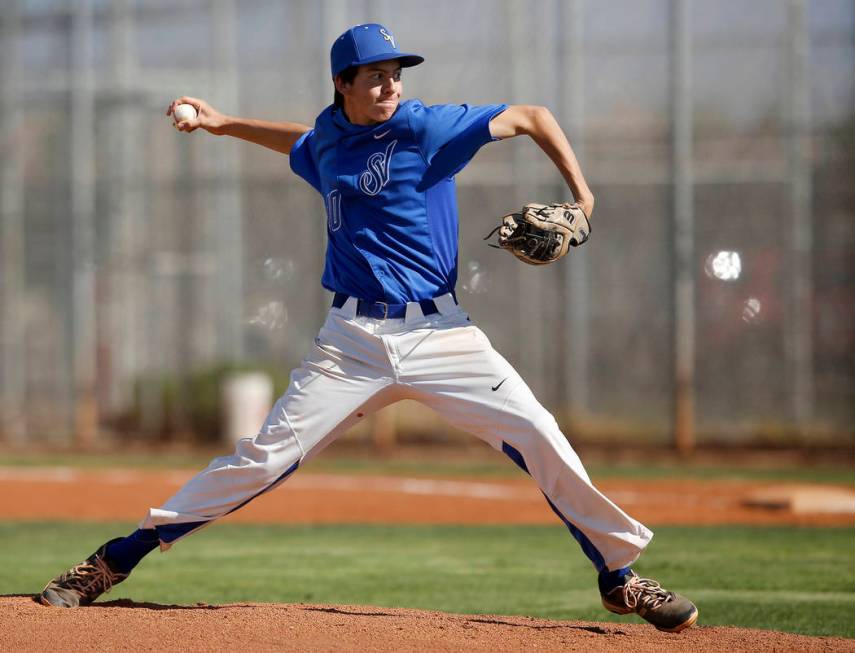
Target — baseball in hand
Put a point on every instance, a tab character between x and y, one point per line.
184	112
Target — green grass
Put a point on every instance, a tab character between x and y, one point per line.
801	473
91	460
486	464
500	467
792	579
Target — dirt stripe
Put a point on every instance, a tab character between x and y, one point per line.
68	493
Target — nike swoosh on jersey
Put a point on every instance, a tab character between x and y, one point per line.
496	387
382	134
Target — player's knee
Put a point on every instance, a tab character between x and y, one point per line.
272	448
542	426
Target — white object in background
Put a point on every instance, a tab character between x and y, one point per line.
247	399
724	265
184	112
751	310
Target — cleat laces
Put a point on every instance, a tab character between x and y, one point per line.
644	593
93	576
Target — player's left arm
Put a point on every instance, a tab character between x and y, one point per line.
540	124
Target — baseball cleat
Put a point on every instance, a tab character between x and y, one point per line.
666	610
83	583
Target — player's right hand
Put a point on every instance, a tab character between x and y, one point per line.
207	117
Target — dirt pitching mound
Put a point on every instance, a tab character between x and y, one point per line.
128	626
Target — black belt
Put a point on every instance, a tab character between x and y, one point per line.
384	310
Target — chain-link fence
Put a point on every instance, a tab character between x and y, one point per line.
139	264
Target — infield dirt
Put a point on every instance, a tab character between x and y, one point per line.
127	626
311	498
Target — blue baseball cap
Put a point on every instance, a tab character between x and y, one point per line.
366	44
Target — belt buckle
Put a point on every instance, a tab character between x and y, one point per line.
385	310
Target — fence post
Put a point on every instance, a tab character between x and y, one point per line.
82	172
799	326
13	416
683	214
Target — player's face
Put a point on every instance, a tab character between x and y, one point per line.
374	94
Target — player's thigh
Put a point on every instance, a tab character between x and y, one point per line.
331	390
459	374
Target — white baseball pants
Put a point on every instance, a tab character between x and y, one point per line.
359	365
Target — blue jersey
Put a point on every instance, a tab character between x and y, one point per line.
390	197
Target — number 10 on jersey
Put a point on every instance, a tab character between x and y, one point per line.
333	206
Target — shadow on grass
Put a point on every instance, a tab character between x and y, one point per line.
145	605
28	595
128	604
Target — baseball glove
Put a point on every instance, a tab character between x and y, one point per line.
541	234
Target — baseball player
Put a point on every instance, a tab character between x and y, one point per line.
385	169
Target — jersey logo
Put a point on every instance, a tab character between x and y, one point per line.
388	37
332	201
376	174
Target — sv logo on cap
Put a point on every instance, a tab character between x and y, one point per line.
388	37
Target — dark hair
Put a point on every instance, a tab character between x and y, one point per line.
347	76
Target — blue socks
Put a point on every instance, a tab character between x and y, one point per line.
608	580
125	554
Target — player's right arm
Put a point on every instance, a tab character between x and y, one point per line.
278	136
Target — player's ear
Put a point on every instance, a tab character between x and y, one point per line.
340	84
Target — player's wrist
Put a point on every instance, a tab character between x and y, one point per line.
222	125
586	203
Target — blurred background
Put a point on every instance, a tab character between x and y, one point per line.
141	269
